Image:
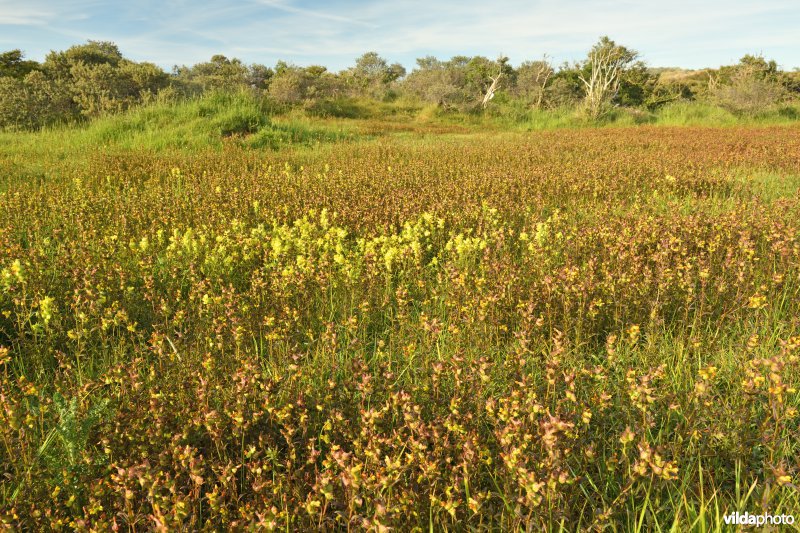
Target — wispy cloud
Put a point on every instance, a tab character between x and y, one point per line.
16	15
42	13
314	13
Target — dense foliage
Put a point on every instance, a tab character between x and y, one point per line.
568	329
94	79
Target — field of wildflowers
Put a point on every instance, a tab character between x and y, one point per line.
593	329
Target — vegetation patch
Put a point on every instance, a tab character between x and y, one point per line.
489	331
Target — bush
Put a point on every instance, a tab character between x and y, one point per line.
240	122
34	102
749	96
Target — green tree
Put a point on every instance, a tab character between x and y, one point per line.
294	85
484	77
636	86
459	83
33	102
102	88
59	64
147	78
750	87
566	88
259	76
439	82
372	75
85	80
222	73
217	73
13	64
13	104
532	81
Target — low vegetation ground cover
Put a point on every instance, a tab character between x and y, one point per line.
426	327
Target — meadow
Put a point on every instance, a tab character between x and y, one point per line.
349	324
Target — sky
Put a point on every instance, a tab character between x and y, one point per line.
684	33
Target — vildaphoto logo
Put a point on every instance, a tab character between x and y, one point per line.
747	519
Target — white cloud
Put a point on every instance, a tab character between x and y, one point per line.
289	8
16	15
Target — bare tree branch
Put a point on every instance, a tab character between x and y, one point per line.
492	88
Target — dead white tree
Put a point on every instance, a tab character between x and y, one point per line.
492	88
542	75
606	64
713	82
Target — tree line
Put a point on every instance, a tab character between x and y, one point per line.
94	79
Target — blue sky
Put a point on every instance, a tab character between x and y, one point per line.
687	33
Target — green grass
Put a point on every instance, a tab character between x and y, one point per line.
769	186
701	114
208	121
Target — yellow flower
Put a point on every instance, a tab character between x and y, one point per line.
633	333
757	301
46	309
708	372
